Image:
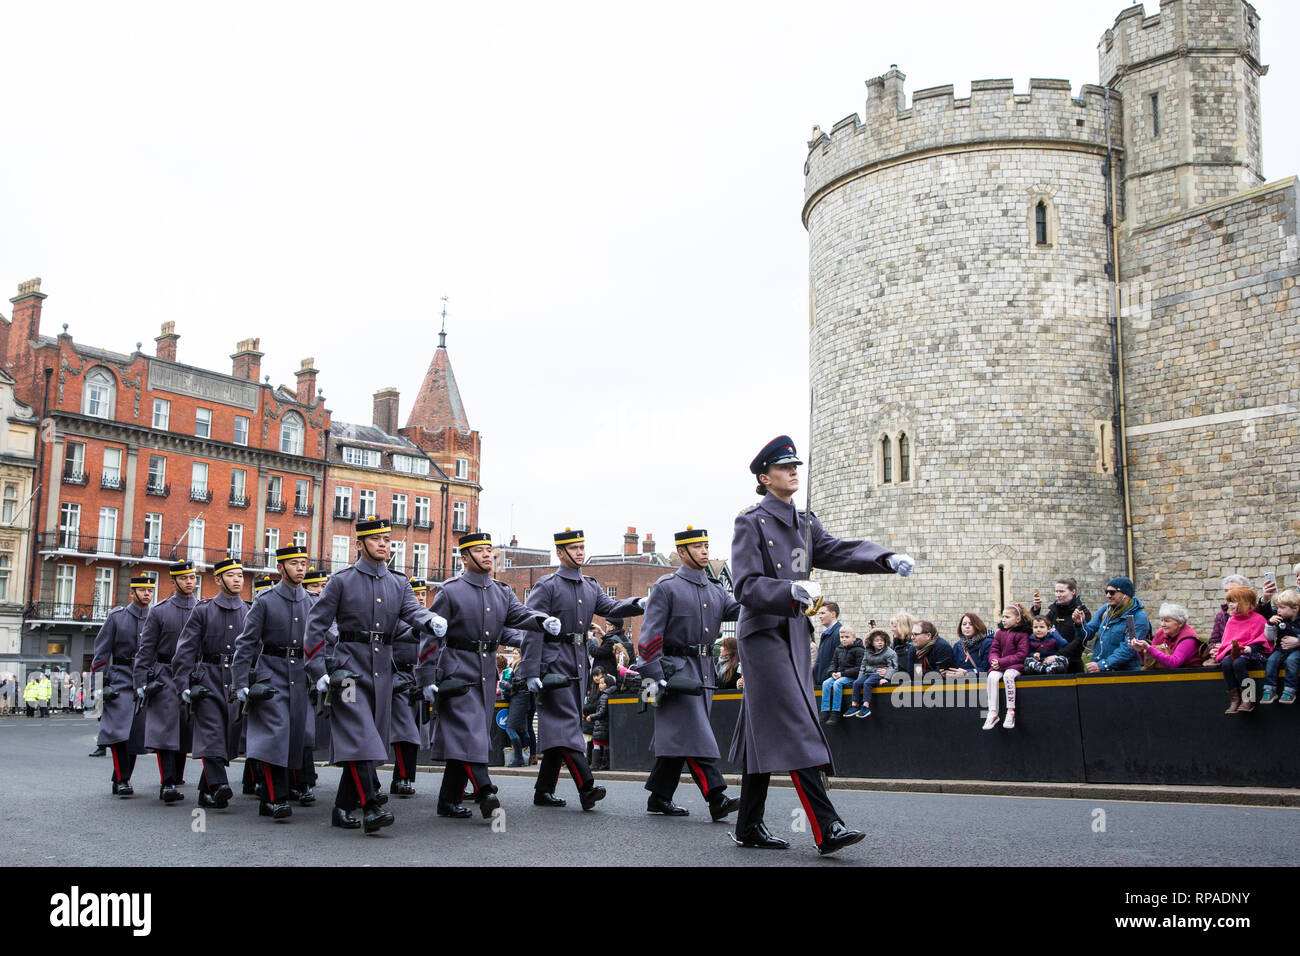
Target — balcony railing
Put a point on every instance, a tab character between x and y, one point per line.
133	550
71	477
112	484
158	491
275	505
201	494
460	528
304	508
402	522
423	524
59	611
344	514
238	501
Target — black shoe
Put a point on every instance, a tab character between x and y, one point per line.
455	811
589	796
826	716
277	811
834	718
721	807
169	794
295	793
99	751
488	804
123	789
381	798
221	796
306	797
838	837
758	837
376	818
205	800
251	790
402	788
341	818
658	804
548	800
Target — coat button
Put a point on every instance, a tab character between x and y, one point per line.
778	567
771	544
762	521
579	600
706	603
379	600
295	620
376	673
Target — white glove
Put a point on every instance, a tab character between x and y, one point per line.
640	602
438	626
430	692
901	563
242	694
551	626
535	684
185	695
807	593
323	684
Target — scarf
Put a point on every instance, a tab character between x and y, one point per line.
1115	613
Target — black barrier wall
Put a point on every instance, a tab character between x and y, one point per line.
1166	728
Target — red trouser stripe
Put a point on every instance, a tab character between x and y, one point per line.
160	770
356	777
469	772
698	774
573	768
401	764
270	789
117	768
807	808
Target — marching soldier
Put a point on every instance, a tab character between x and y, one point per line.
166	729
574	599
203	663
404	728
318	725
252	773
366	601
772	551
120	728
268	670
683	618
480	613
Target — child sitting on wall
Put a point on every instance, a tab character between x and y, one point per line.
1044	643
1283	632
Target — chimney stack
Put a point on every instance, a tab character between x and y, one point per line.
25	326
167	342
385	415
306	381
648	546
248	360
630	541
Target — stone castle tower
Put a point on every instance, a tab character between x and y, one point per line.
976	400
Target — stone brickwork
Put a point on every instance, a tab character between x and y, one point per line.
938	312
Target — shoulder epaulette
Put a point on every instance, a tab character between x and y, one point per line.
745	511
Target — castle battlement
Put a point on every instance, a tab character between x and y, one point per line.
1180	27
993	114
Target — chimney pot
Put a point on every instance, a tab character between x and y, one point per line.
630	541
247	360
385	410
306	381
167	342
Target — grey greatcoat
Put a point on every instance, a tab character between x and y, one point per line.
166	726
367	601
205	656
276	728
683	617
115	648
404	727
574	599
320	724
778	729
482	611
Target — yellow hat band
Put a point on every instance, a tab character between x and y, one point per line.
704	538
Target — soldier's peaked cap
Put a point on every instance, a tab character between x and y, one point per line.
690	536
417	584
181	567
226	564
473	538
262	583
290	551
373	525
315	576
569	536
779	451
142	582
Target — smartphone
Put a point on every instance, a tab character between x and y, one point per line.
1270	576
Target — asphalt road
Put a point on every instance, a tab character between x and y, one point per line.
56	810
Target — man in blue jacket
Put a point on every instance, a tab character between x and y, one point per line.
1120	621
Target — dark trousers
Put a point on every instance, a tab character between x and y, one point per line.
303	775
404	756
356	785
1234	672
864	687
1280	660
251	774
667	773
213	776
812	795
123	761
171	767
275	783
457	773
549	771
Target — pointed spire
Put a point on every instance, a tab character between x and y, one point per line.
442	336
438	404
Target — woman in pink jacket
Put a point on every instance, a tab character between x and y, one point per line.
1175	644
1243	646
1007	656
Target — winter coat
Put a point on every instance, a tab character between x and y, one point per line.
1045	647
599	717
976	661
211	632
939	658
1183	648
1009	649
1112	651
1061	617
830	643
115	648
873	659
1247	631
166	725
848	660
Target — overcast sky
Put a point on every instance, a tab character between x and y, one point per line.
609	195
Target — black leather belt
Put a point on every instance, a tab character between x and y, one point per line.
163	658
364	637
460	644
293	653
689	650
220	658
124	662
577	640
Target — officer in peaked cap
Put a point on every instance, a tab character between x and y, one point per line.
778	729
204	657
167	729
120	728
404	728
574	599
683	618
269	653
252	779
366	601
480	615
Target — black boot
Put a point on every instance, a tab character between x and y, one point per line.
276	811
402	788
376	817
123	789
758	837
548	800
455	811
341	818
721	805
169	794
489	802
590	796
658	804
838	837
306	797
99	751
221	796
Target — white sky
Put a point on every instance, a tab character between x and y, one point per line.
609	195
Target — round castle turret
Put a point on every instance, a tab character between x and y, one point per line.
961	353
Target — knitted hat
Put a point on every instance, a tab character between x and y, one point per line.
1121	584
